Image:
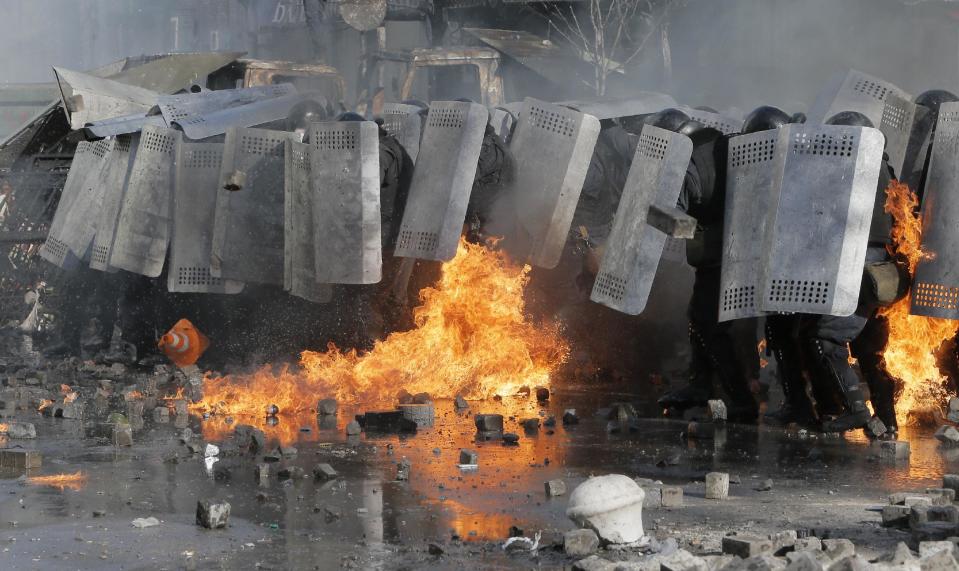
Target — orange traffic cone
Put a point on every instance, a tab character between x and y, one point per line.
183	344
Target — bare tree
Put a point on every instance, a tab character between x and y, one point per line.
610	34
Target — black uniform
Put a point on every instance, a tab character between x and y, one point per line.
716	347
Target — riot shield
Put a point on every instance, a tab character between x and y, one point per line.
818	226
442	181
345	166
935	291
299	277
405	123
143	228
114	179
248	227
219	121
88	98
888	107
634	248
73	226
751	165
194	204
551	149
674	250
209	113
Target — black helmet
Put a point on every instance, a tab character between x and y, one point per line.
935	97
798	118
690	127
304	113
350	116
764	118
669	119
849	118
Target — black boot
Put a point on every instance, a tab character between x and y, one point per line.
855	416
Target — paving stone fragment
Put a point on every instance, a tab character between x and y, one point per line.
469	457
555	488
894	449
811	543
593	563
20	459
947	434
20	430
327	407
922	514
896	516
262	474
672	497
717	410
325	472
489	422
951	481
403	470
682	560
542	394
460	403
353	428
122	434
935	531
580	542
875	427
569	417
927	548
938	561
746	546
948	496
212	515
717	486
838	549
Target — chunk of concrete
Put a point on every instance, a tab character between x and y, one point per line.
469	457
212	515
580	542
122	434
717	410
555	488
895	516
746	546
894	449
922	514
353	428
327	407
951	481
611	505
325	472
838	549
672	497
717	486
947	434
20	430
489	422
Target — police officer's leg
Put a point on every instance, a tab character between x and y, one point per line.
825	342
867	349
734	372
782	337
700	387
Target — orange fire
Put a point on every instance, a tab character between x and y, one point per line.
4	427
73	481
761	349
133	395
471	338
45	403
910	354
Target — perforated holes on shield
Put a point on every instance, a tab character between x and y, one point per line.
653	147
551	121
799	291
418	241
196	276
752	152
99	255
872	89
740	297
937	296
610	286
203	159
158	143
894	116
339	140
56	247
823	144
269	147
176	113
447	118
100	149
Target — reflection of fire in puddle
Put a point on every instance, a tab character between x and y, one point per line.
74	481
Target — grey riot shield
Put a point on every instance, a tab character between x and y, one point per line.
723	122
442	181
889	107
299	276
674	250
634	248
345	165
406	124
551	149
248	227
821	209
193	111
143	228
88	98
638	103
935	291
194	204
751	167
219	121
114	179
73	225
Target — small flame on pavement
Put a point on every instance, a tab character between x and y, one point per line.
44	404
73	481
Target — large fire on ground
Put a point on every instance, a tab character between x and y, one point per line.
471	338
910	354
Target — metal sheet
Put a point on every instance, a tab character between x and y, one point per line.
78	195
815	241
751	168
115	179
194	205
639	103
632	253
124	125
185	106
249	227
143	230
404	122
299	258
87	98
551	149
854	91
935	291
898	118
218	122
724	123
345	165
169	73
442	181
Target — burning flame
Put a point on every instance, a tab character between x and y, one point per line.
45	403
761	349
73	481
4	427
471	338
69	398
910	354
133	395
